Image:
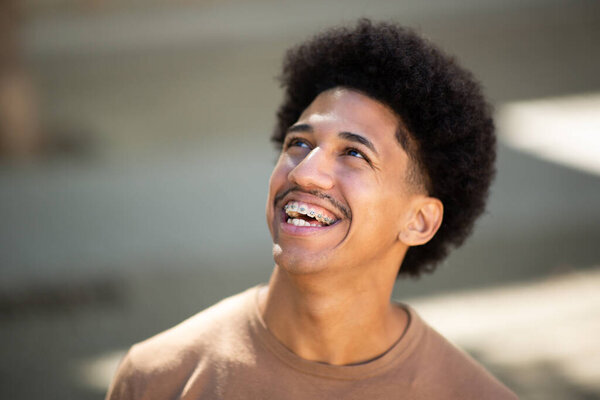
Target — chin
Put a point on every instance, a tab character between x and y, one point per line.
299	262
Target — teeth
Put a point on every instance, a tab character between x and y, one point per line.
300	222
294	209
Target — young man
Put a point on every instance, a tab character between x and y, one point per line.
387	152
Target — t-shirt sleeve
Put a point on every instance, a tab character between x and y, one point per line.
125	381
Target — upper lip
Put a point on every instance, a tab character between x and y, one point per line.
303	197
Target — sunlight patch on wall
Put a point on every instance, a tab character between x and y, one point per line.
97	372
554	322
565	130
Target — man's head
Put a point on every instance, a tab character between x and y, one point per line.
431	108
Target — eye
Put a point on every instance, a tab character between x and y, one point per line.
356	153
297	142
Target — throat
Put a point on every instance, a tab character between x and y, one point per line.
328	330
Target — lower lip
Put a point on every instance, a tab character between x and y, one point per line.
302	230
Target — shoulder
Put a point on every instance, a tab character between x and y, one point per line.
170	357
198	334
449	370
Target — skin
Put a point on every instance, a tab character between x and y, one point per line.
328	299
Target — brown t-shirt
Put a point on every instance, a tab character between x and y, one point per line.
227	352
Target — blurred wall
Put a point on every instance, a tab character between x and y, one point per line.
145	202
164	113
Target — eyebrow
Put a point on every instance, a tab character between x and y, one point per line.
300	128
353	137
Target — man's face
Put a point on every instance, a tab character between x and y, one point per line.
338	195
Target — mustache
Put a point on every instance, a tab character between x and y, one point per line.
336	204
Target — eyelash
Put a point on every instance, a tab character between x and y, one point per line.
293	141
362	155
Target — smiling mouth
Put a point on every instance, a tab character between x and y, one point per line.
302	214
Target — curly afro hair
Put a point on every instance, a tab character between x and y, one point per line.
451	132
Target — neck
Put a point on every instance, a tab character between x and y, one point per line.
354	323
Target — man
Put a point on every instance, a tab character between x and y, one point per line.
387	153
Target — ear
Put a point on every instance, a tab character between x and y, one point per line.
424	222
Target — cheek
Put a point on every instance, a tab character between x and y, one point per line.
375	204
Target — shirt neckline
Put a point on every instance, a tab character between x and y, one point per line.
400	350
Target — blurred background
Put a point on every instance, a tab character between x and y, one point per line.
134	159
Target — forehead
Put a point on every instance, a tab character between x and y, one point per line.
349	110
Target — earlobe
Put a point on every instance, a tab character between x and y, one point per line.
424	223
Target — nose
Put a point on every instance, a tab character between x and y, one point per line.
314	171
